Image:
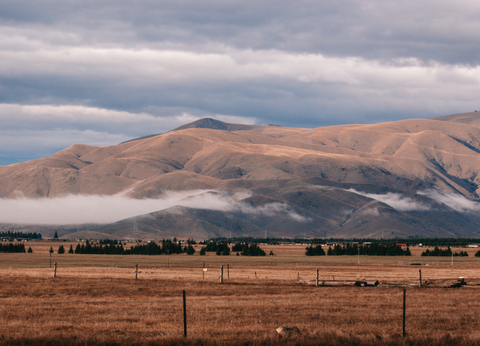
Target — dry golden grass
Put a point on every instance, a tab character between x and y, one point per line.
105	305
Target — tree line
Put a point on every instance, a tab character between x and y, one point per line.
12	248
20	235
355	249
116	248
444	252
222	248
410	240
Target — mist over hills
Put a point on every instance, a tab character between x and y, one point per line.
415	177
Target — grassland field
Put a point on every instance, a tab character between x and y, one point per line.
96	300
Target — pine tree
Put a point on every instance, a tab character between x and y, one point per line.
55	236
190	250
61	250
226	251
71	249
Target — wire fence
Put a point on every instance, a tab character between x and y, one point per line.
254	300
237	313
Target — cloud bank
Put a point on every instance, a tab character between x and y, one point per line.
80	209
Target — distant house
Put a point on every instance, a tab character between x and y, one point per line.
403	246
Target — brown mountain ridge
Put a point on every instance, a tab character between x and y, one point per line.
323	182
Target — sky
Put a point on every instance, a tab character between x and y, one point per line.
103	72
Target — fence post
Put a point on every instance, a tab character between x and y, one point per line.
316	279
221	274
184	315
55	270
203	277
136	271
420	274
404	299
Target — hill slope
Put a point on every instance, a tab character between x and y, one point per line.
330	181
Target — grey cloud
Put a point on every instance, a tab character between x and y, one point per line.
371	29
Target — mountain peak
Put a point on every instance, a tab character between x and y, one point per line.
214	124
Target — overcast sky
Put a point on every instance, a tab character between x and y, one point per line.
102	72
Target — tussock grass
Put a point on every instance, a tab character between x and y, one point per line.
330	339
113	311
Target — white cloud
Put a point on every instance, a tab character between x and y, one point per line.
455	201
159	67
395	200
400	202
57	117
79	209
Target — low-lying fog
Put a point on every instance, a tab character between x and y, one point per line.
79	209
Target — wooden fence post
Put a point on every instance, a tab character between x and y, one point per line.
136	271
55	270
420	274
316	279
404	299
221	274
184	315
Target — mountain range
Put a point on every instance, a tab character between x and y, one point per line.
408	178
